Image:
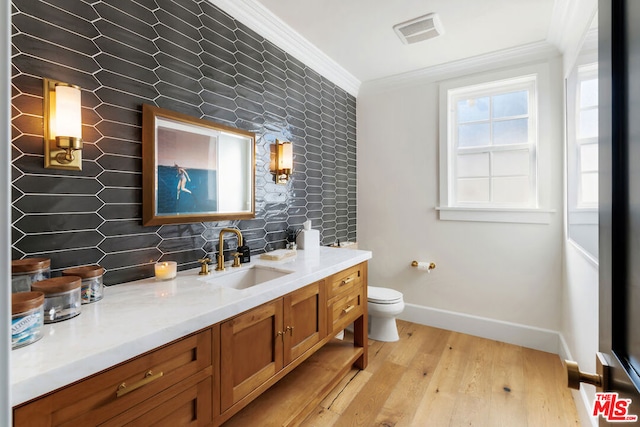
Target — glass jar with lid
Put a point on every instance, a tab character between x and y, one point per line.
92	287
27	318
28	270
62	299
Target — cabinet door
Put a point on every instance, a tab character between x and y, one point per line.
304	320
251	351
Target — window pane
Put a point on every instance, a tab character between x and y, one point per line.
511	104
511	190
589	157
588	126
473	190
589	93
473	135
473	109
473	165
508	163
511	132
589	188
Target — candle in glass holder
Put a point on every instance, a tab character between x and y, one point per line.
166	270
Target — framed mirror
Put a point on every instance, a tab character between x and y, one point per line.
195	170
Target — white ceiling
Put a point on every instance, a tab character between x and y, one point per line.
358	34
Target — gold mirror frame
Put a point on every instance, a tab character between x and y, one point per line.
195	170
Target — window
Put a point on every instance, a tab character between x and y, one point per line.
489	150
582	154
492	141
586	142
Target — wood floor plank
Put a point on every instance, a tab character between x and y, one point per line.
434	377
507	370
413	338
470	410
507	410
477	377
363	410
435	409
543	390
400	407
450	370
321	418
351	389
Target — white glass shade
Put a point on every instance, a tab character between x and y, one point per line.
285	156
66	121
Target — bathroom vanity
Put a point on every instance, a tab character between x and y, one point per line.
196	350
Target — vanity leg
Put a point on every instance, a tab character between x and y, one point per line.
360	339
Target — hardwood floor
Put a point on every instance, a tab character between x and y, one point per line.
433	377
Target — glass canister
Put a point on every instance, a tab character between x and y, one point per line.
27	318
62	298
92	287
28	270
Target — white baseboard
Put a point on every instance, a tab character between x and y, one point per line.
512	333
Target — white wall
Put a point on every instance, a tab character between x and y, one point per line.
495	271
580	317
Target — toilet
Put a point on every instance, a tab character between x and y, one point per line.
384	305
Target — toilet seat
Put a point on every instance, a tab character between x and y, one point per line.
383	295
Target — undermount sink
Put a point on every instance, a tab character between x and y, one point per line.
246	277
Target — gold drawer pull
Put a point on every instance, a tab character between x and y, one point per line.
347	280
348	309
289	329
148	377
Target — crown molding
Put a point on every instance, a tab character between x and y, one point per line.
511	56
563	10
261	20
570	20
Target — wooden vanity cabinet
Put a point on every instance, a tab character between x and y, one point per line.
171	386
207	377
256	345
320	367
347	297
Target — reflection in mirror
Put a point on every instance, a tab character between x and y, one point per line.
582	147
195	170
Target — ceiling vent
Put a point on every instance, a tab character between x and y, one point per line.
419	29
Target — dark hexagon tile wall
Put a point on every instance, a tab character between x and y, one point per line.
186	56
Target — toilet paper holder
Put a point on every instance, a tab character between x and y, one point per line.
424	265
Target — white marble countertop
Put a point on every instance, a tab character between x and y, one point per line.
139	316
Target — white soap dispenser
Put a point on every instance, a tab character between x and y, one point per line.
308	238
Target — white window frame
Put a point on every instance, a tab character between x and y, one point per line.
579	212
532	78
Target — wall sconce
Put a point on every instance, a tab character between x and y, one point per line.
281	161
62	126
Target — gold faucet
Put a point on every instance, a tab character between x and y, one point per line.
236	263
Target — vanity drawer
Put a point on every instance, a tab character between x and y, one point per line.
129	390
346	280
345	309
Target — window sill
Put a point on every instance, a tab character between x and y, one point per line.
520	216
